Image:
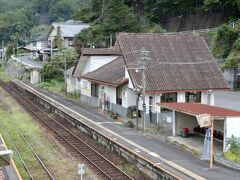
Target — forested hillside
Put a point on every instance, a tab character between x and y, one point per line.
143	16
19	18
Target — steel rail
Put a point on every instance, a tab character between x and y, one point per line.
18	96
28	145
33	151
16	149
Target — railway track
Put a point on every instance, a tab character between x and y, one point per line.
77	146
30	164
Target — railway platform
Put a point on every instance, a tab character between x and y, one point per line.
8	171
177	161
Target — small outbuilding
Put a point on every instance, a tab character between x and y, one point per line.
226	122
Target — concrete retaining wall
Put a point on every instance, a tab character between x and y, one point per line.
144	165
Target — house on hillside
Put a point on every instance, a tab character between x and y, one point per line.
67	31
180	69
37	47
90	60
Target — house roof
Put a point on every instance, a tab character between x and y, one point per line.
113	51
101	51
70	28
41	38
178	62
197	109
112	73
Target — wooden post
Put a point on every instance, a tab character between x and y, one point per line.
211	149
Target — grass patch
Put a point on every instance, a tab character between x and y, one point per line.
59	163
128	168
233	153
3	75
232	156
54	86
58	87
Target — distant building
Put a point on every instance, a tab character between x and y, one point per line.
37	47
90	60
67	30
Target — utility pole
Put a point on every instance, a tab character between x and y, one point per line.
65	69
51	47
144	57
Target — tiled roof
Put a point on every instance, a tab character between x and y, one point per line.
112	73
165	70
197	109
101	51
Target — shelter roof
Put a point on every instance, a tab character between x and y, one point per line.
197	109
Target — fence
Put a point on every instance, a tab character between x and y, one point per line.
203	31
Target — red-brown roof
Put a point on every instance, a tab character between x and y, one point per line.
177	62
112	73
101	51
197	109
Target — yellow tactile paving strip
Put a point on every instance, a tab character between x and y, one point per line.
12	162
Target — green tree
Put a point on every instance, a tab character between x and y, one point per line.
55	67
223	41
232	3
114	16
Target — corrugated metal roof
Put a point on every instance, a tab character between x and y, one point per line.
112	73
178	62
70	29
197	109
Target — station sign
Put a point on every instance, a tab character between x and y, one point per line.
204	120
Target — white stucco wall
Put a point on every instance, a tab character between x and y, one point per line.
95	62
232	126
205	96
156	98
72	84
130	84
70	87
110	93
128	97
35	76
85	87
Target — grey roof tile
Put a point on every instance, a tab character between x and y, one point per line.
178	62
112	73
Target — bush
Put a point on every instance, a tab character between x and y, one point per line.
233	154
223	41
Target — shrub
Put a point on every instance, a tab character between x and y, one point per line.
233	153
223	41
